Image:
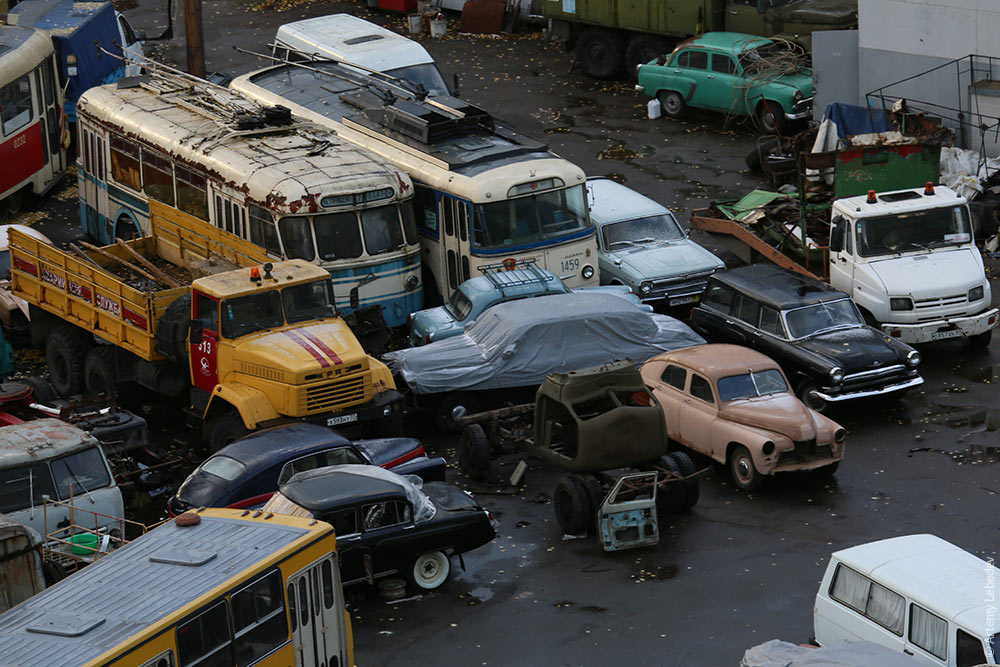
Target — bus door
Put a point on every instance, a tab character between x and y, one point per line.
316	612
454	243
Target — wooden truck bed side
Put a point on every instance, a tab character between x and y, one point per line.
87	294
190	242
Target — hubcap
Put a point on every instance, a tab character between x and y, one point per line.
743	468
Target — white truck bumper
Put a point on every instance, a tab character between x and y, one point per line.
949	327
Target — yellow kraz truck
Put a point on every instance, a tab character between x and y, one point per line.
255	346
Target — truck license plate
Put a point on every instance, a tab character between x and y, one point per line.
941	335
682	300
342	419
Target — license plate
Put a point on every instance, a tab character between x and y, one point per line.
682	300
342	419
941	335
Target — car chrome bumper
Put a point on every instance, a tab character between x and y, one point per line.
639	88
947	327
801	109
864	393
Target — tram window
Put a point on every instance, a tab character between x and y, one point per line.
88	144
15	105
243	220
262	231
452	270
381	229
192	196
463	220
48	81
409	225
99	146
229	217
296	238
125	162
218	211
465	267
425	209
157	177
449	217
337	236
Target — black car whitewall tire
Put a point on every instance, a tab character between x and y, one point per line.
430	570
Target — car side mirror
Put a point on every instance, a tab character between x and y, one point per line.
837	234
197	329
142	36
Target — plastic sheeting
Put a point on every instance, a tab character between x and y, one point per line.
964	172
516	344
423	508
841	121
776	653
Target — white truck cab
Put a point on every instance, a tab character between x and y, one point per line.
909	261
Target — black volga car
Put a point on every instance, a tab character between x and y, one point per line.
815	332
385	519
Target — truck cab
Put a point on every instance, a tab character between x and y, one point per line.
909	261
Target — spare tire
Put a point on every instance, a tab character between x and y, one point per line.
172	331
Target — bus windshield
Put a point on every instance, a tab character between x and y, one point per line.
546	216
338	235
919	230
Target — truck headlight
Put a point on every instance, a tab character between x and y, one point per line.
901	303
913	359
587	272
836	375
977	293
646	287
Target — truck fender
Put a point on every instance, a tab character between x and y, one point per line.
252	404
381	376
871	293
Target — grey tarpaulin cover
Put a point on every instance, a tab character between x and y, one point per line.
518	343
776	653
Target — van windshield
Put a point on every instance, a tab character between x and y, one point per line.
79	473
426	74
915	231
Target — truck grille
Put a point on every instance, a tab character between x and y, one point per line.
335	395
874	378
928	310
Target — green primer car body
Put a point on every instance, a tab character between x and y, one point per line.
715	71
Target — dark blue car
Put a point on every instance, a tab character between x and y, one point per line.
247	472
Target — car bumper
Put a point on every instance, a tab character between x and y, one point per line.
802	109
803	457
948	327
836	397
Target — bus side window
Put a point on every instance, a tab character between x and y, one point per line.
157	177
205	639
259	618
425	209
88	152
218	211
99	145
192	195
125	163
229	217
165	659
463	220
243	220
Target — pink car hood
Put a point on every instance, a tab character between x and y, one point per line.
782	413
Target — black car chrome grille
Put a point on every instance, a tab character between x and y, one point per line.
874	377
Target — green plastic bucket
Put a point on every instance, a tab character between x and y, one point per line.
84	544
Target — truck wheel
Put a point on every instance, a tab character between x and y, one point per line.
671	496
224	429
806	396
642	49
600	53
981	341
42	390
443	415
430	570
771	117
100	372
64	354
595	491
474	451
572	506
671	103
743	471
691	486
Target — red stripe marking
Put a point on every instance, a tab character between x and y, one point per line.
247	502
135	318
27	267
322	346
308	348
409	456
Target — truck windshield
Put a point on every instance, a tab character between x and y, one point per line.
311	301
752	384
459	305
24	486
642	230
810	320
79	473
248	314
546	216
908	232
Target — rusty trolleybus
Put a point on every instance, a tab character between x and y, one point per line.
291	188
32	123
230	588
485	194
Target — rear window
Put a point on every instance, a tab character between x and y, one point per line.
224	467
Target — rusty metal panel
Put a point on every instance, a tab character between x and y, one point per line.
20	563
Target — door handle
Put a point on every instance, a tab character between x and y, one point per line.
907	651
730	322
687	400
709	76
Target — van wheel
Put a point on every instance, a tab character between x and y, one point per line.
224	429
671	496
981	341
771	117
100	372
64	355
743	471
572	505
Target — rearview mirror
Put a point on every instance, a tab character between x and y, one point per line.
837	234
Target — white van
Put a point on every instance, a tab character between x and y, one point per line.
917	594
349	38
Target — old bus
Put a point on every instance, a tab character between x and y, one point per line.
484	192
292	189
32	152
233	587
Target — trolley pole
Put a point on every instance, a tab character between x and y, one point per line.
195	38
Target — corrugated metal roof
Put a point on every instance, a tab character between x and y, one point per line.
126	591
40	440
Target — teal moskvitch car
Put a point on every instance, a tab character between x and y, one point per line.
733	73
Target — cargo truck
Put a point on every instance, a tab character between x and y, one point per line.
252	345
609	35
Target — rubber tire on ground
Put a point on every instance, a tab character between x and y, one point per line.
755	158
981	341
600	53
595	492
817	404
224	429
64	355
642	49
430	570
442	414
770	123
42	390
572	506
671	496
749	479
474	451
100	371
671	103
829	470
693	485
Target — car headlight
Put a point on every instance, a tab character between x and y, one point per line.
587	272
768	448
913	359
840	435
977	293
836	375
901	303
646	287
797	96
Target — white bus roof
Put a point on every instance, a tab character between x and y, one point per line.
40	440
934	573
354	39
289	166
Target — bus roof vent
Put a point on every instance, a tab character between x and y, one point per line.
186	557
429	122
65	625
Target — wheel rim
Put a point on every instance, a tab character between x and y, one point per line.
743	467
430	570
767	120
597	54
672	103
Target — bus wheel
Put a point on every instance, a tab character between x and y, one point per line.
430	570
224	428
64	355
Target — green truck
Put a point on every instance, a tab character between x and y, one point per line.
609	35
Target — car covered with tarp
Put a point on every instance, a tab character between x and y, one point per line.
776	653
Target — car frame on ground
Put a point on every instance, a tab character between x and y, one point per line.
386	524
734	405
814	331
728	72
641	245
246	473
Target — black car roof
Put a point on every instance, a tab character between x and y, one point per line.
326	489
269	447
776	287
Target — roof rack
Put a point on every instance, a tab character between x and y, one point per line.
500	275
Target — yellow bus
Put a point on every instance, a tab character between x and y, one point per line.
236	588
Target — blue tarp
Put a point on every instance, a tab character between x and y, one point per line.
851	119
75	27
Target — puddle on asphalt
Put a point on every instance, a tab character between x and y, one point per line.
660	573
966	418
987	375
477	596
618	152
591	608
971	455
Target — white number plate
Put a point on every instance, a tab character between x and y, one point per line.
342	419
683	299
941	335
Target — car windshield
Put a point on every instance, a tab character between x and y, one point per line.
426	74
251	313
661	227
819	317
919	230
459	306
546	216
224	467
752	384
78	473
310	301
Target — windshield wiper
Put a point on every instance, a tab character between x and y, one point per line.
77	480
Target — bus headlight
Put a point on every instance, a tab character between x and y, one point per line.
588	272
646	287
836	375
976	293
412	282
